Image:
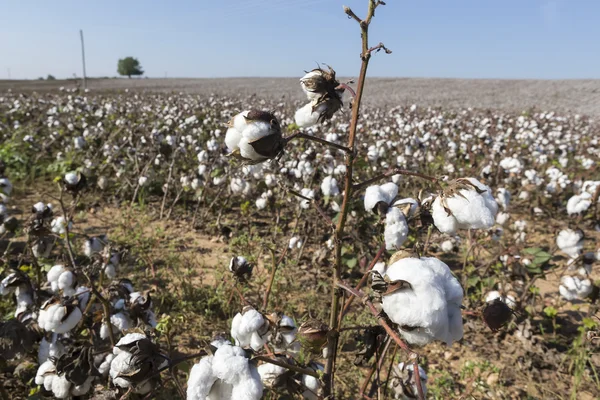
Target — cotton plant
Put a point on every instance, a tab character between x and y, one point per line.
59	315
465	204
579	203
423	298
62	280
58	382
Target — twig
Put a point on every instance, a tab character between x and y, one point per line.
383	322
364	279
275	264
332	345
378	48
391	172
303	135
316	206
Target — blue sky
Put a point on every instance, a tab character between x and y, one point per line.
547	39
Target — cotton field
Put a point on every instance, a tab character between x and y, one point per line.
219	247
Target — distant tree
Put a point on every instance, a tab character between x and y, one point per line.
129	66
41	78
50	78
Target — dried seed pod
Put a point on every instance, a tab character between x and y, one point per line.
370	339
496	314
313	335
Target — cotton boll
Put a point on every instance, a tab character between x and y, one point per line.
59	225
45	374
494	294
305	117
409	206
56	318
201	380
53	276
503	198
105	365
66	283
396	229
573	288
308	193
447	246
579	203
570	242
502	218
524	195
431	308
61	387
472	208
329	186
269	373
380	194
312	384
250	329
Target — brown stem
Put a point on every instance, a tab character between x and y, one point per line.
336	294
314	203
383	322
379	47
275	264
303	135
364	279
391	172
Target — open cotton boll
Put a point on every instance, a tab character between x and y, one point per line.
579	203
45	374
249	329
396	229
312	385
253	131
270	372
570	242
502	218
5	189
67	282
380	267
59	225
409	206
329	186
56	318
447	246
472	208
573	288
201	380
376	194
119	322
105	365
503	198
430	309
53	276
308	193
305	117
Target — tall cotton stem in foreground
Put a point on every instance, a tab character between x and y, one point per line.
339	232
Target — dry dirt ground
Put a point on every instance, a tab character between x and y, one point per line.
578	96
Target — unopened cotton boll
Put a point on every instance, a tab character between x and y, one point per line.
472	208
430	308
570	242
396	229
578	204
573	288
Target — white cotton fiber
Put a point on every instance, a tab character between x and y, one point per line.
432	305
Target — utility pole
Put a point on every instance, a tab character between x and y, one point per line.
83	59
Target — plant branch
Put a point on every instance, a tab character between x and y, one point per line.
378	48
336	294
383	322
302	135
391	172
